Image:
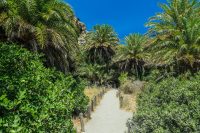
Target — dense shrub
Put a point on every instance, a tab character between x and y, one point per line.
170	106
131	87
128	85
34	98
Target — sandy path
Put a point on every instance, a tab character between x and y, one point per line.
108	118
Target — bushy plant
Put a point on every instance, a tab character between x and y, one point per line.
48	26
153	75
123	77
129	85
34	98
169	106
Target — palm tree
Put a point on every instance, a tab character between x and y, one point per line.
47	26
100	43
96	52
176	34
132	55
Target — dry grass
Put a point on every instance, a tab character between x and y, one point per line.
92	91
76	123
129	100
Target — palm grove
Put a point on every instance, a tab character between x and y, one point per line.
44	68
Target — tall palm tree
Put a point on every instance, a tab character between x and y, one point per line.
176	33
100	43
132	55
48	26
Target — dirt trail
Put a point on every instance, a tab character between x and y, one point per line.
108	117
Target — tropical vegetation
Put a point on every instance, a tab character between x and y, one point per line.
131	57
169	106
45	26
175	33
47	58
97	54
34	98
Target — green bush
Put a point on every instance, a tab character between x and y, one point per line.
172	105
128	85
153	75
34	98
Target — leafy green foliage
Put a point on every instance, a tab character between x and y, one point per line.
131	56
123	77
100	44
33	98
96	55
169	106
48	26
176	33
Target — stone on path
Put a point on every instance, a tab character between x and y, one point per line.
108	117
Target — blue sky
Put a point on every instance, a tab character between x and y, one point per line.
126	16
